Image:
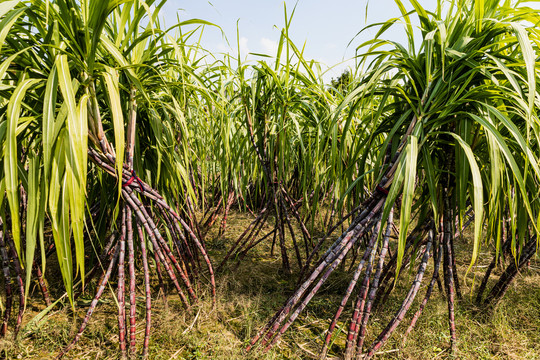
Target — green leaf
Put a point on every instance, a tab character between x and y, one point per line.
11	158
76	152
32	216
48	124
478	200
410	159
7	22
479	14
530	61
111	79
58	211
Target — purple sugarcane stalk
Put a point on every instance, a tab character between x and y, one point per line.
437	263
159	272
375	284
328	259
147	291
332	266
121	288
151	230
307	236
176	217
482	288
398	317
7	282
360	303
249	230
448	273
506	278
348	293
19	282
285	216
223	226
101	288
42	285
132	283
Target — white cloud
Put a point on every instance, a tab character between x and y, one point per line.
233	48
223	48
244	49
269	46
331	46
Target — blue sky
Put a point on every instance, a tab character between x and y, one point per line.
325	26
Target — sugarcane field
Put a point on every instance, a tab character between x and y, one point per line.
278	179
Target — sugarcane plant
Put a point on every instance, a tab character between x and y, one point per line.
454	136
96	80
283	111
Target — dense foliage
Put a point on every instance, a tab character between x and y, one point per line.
112	126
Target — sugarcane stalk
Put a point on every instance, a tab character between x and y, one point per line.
350	289
171	259
162	284
237	243
251	240
254	243
307	236
212	217
99	292
132	282
42	285
206	258
448	273
398	317
332	266
332	260
505	247
20	285
7	282
286	267
184	257
107	252
437	263
454	268
150	193
223	226
193	219
285	216
147	292
273	241
375	285
121	289
152	232
374	203
506	278
280	316
369	255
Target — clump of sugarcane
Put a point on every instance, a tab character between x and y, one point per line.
519	255
14	281
375	278
279	200
455	138
421	241
12	269
363	223
250	236
179	258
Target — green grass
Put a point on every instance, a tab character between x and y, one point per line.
249	295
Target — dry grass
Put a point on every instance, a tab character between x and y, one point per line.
251	293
